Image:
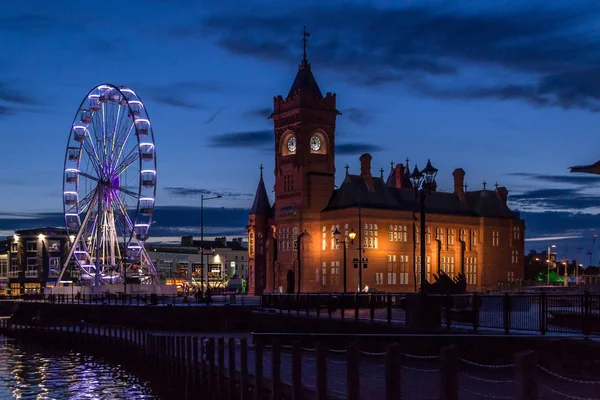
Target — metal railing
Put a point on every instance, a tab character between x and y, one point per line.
540	313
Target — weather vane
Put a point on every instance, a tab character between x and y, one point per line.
305	37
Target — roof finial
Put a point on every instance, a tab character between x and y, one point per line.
381	171
305	37
392	164
496	185
484	184
407	160
347	168
261	168
466	187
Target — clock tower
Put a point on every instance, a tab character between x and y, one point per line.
304	123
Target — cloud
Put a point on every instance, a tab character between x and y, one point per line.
194	192
243	139
356	148
573	179
263	113
178	94
552	53
567	200
358	115
13	101
28	23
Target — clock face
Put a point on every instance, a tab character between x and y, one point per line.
315	143
291	144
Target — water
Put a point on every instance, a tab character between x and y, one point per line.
29	371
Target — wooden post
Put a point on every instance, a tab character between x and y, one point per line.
231	365
352	371
321	371
392	372
449	373
526	375
203	345
212	373
275	369
189	364
244	369
296	370
194	360
258	369
221	366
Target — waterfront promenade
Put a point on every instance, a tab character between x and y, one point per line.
231	368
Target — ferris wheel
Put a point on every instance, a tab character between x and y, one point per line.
109	188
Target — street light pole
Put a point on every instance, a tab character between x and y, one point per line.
422	180
202	200
299	261
550	246
337	235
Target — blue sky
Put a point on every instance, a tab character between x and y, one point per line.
509	91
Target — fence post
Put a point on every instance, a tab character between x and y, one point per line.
393	389
321	369
276	369
243	369
296	371
329	305
526	375
586	328
543	313
211	365
389	308
356	306
449	373
221	367
372	306
475	308
352	372
258	369
232	368
506	313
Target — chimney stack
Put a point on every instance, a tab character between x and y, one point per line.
502	193
399	176
365	165
459	183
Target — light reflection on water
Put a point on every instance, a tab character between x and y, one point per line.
33	372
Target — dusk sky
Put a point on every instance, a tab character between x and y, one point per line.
507	90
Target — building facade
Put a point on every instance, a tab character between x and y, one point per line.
35	258
184	263
293	245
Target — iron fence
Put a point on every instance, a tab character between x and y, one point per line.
536	313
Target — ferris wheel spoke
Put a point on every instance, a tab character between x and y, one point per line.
121	145
126	191
90	149
93	178
132	157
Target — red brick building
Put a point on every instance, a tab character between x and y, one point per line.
292	244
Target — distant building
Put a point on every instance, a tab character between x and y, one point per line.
178	264
292	243
35	258
3	267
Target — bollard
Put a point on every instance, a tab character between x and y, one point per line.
449	373
231	366
243	369
321	369
526	375
392	373
352	372
276	369
221	367
296	371
258	369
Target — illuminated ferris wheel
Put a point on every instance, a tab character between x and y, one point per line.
109	188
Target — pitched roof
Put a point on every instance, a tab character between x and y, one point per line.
305	82
261	205
354	192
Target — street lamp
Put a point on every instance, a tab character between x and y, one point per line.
550	246
422	180
202	200
338	235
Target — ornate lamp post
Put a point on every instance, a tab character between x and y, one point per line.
338	235
202	200
422	181
550	247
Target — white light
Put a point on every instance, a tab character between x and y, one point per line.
73	193
41	236
72	238
138	103
147	144
147	199
72	170
104	87
148	171
16	237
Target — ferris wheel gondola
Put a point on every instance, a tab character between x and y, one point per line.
109	186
